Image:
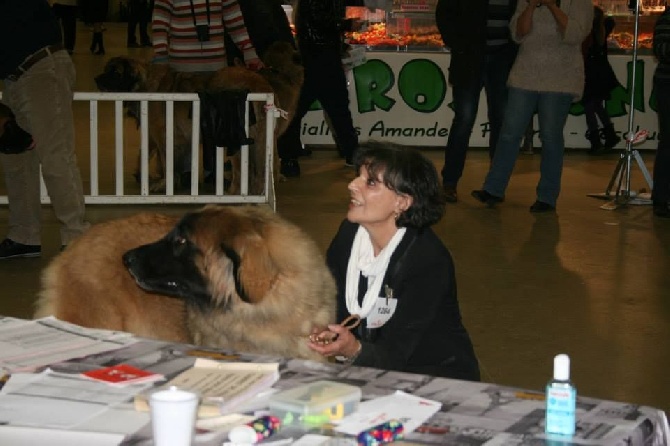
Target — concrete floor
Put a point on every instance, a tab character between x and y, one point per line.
588	282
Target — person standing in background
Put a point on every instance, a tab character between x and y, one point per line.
139	15
547	76
94	13
482	53
66	12
660	195
320	27
600	80
38	76
189	36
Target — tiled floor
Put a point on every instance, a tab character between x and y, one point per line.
588	282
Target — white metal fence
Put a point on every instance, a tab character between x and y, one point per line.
124	188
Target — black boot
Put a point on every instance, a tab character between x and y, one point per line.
611	138
97	46
596	145
94	43
101	45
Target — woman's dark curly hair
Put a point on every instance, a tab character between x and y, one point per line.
406	171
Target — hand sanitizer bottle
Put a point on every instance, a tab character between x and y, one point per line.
561	399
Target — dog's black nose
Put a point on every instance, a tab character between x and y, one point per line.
128	259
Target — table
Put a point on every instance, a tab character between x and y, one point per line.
471	413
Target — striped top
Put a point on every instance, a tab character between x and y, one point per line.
497	25
662	46
175	40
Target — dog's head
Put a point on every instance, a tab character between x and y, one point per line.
208	259
122	74
13	139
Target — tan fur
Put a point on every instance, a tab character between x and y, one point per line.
289	287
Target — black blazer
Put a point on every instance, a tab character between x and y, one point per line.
425	334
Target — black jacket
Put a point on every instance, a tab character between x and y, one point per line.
462	25
266	22
25	27
321	23
425	334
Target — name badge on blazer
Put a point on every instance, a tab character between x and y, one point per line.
383	310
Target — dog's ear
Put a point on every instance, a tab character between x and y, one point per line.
254	270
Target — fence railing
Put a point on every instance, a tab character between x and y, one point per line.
125	188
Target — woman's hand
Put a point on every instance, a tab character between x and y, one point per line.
336	341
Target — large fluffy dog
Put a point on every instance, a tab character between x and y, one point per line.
283	77
238	277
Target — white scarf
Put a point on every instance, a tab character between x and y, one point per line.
362	260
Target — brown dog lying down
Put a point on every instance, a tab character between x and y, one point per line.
283	77
241	278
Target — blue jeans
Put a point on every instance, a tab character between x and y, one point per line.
493	79
552	110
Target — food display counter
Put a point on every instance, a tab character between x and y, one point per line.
401	94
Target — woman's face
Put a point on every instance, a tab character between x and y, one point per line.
373	204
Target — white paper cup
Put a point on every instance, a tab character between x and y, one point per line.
173	414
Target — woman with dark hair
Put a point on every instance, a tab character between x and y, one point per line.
395	278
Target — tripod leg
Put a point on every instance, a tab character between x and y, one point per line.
644	170
615	175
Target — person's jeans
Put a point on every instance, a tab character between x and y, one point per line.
493	80
661	192
552	110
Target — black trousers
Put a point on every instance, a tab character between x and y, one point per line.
67	16
139	14
326	82
661	193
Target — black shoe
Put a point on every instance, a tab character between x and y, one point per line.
290	168
147	44
133	45
10	249
450	195
486	198
541	206
349	161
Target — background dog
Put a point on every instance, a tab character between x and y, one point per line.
239	277
282	76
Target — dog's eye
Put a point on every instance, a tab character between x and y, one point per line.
179	241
